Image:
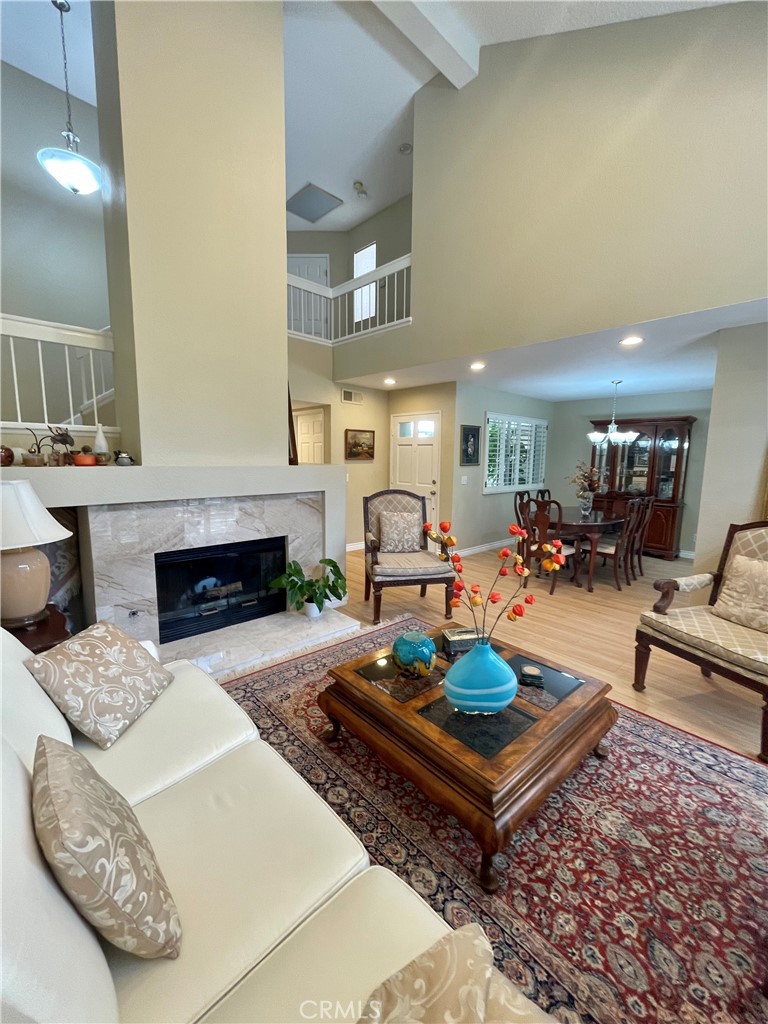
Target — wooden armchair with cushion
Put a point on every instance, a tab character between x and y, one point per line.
728	636
396	553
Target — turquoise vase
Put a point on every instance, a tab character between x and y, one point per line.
480	682
414	653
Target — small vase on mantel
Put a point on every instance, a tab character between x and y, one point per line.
100	445
480	682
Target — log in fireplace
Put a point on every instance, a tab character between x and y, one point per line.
200	589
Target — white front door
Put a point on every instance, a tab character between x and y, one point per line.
309	313
310	436
415	457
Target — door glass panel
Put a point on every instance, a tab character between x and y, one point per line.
669	458
425	428
405	430
633	466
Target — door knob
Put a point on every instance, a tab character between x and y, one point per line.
433	492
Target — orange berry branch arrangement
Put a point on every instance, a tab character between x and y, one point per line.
512	563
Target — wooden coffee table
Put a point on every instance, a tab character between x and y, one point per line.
490	771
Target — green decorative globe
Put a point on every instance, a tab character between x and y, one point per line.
414	653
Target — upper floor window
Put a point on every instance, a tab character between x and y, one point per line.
515	452
365	297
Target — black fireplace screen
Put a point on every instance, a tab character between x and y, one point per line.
200	589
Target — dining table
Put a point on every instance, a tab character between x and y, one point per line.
590	526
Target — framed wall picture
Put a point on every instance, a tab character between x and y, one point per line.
358	445
470	446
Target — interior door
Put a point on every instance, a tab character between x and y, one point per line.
415	457
310	436
309	313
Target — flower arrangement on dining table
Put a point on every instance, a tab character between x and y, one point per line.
483	607
586	478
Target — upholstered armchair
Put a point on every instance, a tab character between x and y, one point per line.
396	553
729	635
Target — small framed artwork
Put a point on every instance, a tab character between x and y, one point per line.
470	446
358	445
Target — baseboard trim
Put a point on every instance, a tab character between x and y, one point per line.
491	545
357	545
687	554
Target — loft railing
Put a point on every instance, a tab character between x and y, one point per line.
377	301
54	373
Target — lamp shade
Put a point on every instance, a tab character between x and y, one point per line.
75	172
26	522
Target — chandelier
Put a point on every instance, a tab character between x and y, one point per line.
76	173
614	435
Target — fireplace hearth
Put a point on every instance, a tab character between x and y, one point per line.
206	588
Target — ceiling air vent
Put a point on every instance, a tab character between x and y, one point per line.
351	397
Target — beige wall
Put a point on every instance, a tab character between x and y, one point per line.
197	267
390	229
434	398
734	480
587	180
52	263
309	369
567	443
483	518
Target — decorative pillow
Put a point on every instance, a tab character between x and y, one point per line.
101	679
449	982
400	531
100	855
743	597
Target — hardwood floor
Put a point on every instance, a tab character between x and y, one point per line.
594	633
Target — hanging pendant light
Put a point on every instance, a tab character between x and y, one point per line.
614	435
76	173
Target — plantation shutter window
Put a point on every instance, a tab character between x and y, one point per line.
515	452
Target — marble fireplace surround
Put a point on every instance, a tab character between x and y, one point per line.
126	514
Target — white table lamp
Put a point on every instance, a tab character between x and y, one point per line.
25	573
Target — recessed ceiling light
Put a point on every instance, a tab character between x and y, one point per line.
477	366
390	380
633	339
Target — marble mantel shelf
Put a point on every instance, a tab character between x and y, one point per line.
67	486
81	486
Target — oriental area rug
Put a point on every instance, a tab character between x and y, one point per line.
638	892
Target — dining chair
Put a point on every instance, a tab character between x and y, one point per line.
618	546
542	521
641	531
396	553
521	498
544	494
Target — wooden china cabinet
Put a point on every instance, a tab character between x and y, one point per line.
654	464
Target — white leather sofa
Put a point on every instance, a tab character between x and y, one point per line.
283	918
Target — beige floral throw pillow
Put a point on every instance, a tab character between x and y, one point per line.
743	598
400	531
102	680
100	855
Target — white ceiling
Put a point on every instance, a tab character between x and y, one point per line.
350	75
677	354
352	70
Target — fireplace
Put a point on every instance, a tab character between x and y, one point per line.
205	588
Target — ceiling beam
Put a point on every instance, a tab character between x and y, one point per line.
435	30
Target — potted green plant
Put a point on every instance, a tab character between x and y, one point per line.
311	592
